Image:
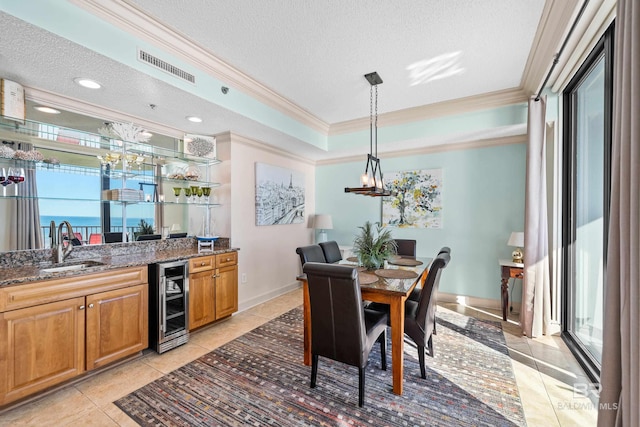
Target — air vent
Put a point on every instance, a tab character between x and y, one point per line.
165	66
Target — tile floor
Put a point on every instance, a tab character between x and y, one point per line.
545	372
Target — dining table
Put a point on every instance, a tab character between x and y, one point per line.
391	284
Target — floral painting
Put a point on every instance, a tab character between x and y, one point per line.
416	200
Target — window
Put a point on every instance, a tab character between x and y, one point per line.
586	185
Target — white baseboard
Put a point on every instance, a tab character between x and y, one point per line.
493	304
257	300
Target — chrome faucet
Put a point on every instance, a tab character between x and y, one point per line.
52	234
63	252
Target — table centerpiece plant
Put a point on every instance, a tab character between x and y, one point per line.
373	248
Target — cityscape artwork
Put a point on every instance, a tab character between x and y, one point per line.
279	195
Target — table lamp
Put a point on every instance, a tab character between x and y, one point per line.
322	223
517	240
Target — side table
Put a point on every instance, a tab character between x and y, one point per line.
509	270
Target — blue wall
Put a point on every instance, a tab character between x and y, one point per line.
483	202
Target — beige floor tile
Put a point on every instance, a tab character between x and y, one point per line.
95	418
118	416
60	408
117	382
174	358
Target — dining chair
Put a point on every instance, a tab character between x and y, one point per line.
419	316
311	253
331	251
415	294
95	238
342	329
406	247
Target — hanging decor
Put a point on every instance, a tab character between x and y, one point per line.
371	180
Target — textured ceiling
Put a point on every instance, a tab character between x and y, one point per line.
313	53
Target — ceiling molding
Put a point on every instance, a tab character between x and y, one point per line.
441	148
81	107
254	143
130	19
596	19
453	107
556	20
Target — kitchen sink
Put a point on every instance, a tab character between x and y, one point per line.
78	265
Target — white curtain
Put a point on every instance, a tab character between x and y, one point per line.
620	373
24	216
535	315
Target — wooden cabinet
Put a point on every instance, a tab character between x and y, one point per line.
213	288
54	330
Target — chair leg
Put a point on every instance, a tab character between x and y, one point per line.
383	350
430	345
314	370
361	387
423	369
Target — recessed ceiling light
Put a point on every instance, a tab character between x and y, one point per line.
47	110
88	83
194	119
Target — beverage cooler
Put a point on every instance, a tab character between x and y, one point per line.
168	305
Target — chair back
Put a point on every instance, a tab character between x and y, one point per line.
406	247
445	249
331	251
95	238
311	253
425	314
337	313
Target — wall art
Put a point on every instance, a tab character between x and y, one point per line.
279	195
417	199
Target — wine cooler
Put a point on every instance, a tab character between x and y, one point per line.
168	305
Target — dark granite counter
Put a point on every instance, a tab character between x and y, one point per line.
108	256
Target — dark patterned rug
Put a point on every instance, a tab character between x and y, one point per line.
259	379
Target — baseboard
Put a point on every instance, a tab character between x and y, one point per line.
470	301
257	300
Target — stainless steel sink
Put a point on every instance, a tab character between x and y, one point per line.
79	265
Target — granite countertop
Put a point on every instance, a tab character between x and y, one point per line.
29	273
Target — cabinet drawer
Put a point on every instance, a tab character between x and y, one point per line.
225	259
203	263
41	292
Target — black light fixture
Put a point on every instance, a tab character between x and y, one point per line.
371	179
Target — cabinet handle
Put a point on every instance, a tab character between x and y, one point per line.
91	305
228	259
81	307
202	264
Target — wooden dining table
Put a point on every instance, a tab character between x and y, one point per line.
387	290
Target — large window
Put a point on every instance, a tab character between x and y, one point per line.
586	180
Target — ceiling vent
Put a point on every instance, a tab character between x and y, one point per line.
165	66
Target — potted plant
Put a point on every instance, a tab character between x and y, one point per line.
143	228
373	248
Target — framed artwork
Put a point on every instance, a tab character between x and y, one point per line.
417	202
12	101
200	146
279	195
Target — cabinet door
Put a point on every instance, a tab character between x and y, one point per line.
201	299
226	291
117	324
40	346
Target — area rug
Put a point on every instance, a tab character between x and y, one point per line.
259	379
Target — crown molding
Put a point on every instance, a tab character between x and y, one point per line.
557	17
132	20
455	106
81	107
440	148
233	137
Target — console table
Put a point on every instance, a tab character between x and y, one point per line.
509	270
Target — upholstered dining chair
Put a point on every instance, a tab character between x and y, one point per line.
406	247
341	328
419	316
331	251
311	253
415	294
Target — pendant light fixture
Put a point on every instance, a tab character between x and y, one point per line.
371	179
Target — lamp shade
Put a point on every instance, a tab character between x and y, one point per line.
323	222
516	239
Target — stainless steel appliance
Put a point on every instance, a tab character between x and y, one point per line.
168	305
